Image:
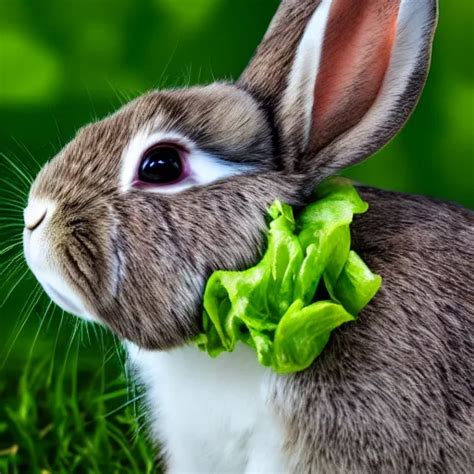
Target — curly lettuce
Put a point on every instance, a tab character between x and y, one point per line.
275	307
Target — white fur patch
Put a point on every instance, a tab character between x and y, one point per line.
211	415
304	72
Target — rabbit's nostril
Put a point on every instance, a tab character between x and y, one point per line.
34	215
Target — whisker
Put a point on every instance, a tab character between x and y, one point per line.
68	350
95	117
13	225
16	243
25	313
7	271
9	279
96	334
11	204
11	207
50	317
120	96
118	352
12	219
35	339
9	214
14	286
22	176
163	76
13	261
109	354
24	173
16	158
11	193
12	198
12	187
9	239
53	356
85	328
28	151
38	331
58	133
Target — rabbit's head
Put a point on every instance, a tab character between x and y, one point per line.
127	222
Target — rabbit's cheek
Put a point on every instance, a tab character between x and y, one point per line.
46	261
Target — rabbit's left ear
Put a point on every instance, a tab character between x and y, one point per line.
341	76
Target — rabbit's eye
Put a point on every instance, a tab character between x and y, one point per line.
169	163
161	165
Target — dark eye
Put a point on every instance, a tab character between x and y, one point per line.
161	165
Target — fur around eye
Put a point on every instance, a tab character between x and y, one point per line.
169	163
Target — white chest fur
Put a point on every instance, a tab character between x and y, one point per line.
210	414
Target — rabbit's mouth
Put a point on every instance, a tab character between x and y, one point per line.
43	261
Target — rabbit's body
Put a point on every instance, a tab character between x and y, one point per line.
389	392
128	221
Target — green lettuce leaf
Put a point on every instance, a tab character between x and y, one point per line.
273	307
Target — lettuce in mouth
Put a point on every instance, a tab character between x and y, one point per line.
275	307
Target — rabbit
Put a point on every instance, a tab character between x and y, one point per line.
126	223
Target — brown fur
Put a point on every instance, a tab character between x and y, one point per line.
391	394
98	231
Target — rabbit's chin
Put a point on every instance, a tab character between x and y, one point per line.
48	273
65	298
63	295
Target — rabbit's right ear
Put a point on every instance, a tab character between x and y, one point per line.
341	77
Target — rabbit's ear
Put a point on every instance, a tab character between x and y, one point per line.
341	76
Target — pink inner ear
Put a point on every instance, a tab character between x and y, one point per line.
356	52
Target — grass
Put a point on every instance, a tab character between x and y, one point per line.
72	414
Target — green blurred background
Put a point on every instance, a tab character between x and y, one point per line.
64	63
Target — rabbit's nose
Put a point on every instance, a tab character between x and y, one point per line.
34	214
